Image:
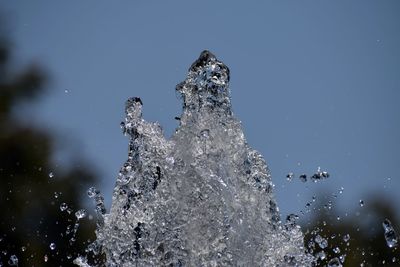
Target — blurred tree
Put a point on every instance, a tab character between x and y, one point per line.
30	215
358	237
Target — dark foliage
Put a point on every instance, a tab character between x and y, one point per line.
30	215
367	243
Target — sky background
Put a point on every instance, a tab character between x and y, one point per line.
315	83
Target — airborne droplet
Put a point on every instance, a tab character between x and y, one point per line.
63	206
390	234
80	214
289	176
13	261
322	242
346	238
335	262
91	192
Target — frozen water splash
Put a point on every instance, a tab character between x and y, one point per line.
202	198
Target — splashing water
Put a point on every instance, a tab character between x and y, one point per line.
202	198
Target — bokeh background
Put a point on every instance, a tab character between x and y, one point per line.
315	84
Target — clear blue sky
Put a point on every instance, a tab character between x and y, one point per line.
315	83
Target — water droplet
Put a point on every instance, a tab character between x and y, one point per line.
45	258
52	246
303	178
334	263
91	192
63	206
122	125
289	176
346	238
66	91
342	258
13	261
336	250
319	175
80	214
341	190
23	248
390	234
51	174
361	203
321	255
322	242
